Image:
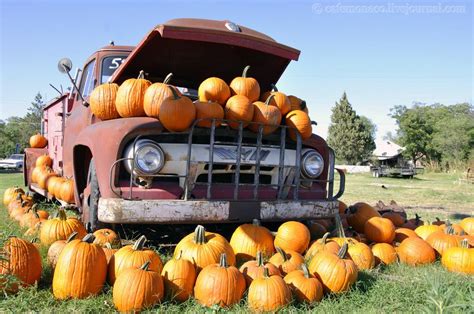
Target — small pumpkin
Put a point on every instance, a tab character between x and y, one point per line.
30	218
177	113
179	276
56	248
438	222
279	100
204	248
248	239
254	269
208	111
137	288
214	89
413	223
286	261
293	235
459	259
395	217
269	116
297	104
44	160
238	108
268	293
103	236
415	251
467	224
442	240
245	86
60	228
102	101
11	194
17	212
316	230
132	256
130	95
424	231
155	95
219	284
384	253
378	229
361	254
306	287
322	244
299	121
403	233
38	141
358	214
66	191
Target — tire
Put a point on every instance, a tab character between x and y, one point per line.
91	202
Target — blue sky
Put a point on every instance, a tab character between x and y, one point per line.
380	59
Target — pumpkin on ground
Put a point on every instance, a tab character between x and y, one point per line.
459	259
38	141
102	101
322	244
293	235
297	104
219	284
299	121
204	248
238	108
337	273
245	86
316	230
305	286
286	261
404	233
358	214
395	217
467	224
361	254
103	236
413	223
44	160
208	111
179	276
384	253
30	218
155	94
214	89
133	256
442	240
129	100
17	212
177	112
137	288
248	239
66	191
21	203
11	194
424	231
73	277
415	251
109	252
378	229
268	293
438	222
265	114
56	248
60	228
254	269
21	259
456	228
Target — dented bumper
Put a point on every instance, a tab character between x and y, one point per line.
115	210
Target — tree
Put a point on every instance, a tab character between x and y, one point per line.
351	136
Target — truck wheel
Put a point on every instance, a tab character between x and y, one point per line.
90	200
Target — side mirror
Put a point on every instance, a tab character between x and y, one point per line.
65	65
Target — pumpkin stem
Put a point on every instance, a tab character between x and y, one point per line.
266	274
259	259
305	270
145	266
303	105
274	88
167	78
89	238
175	94
282	253
351	209
141	74
437	219
325	237
223	261
107	245
343	251
200	235
256	222
71	237
417	219
140	243
244	73
449	230
62	214
35	240
465	243
267	102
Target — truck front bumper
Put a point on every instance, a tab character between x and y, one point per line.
115	210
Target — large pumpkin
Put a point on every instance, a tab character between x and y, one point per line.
299	121
305	286
137	288
60	228
384	253
286	261
155	95
248	239
361	254
80	271
177	113
456	228
279	100
44	176
245	86
38	141
268	293
10	194
179	276
56	248
204	248
36	172
424	231
297	104
208	111
238	108
214	89
459	259
20	259
66	191
442	240
322	244
129	100
133	256
468	225
102	101
44	160
404	233
378	229
219	284
254	269
265	114
358	214
293	235
52	182
415	251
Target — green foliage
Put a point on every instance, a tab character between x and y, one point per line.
17	130
351	136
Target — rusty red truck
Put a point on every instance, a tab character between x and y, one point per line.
205	175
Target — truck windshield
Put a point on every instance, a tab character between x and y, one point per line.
16	157
109	65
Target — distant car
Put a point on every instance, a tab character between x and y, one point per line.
15	161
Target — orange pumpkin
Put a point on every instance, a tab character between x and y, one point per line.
467	224
239	108
322	244
102	101
279	100
109	252
60	228
44	176
425	231
413	223
293	235
268	294
103	236
415	251
254	269
442	240
56	248
208	111
297	104
36	173
177	113
129	100
265	114
404	233
358	214
286	261
155	95
306	287
361	254
179	277
378	229
299	121
459	259
248	239
245	86
457	229
11	194
66	191
38	141
384	253
316	229
31	218
53	183
214	89
44	160
395	217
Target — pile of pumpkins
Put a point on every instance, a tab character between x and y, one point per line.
302	262
59	187
240	101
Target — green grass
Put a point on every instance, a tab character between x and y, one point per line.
397	288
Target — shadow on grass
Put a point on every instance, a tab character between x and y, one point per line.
365	281
459	216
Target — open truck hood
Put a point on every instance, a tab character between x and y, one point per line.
195	49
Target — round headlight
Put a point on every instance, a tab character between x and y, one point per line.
148	158
312	164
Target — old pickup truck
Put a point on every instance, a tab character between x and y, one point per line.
210	176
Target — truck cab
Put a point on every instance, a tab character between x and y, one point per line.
133	171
